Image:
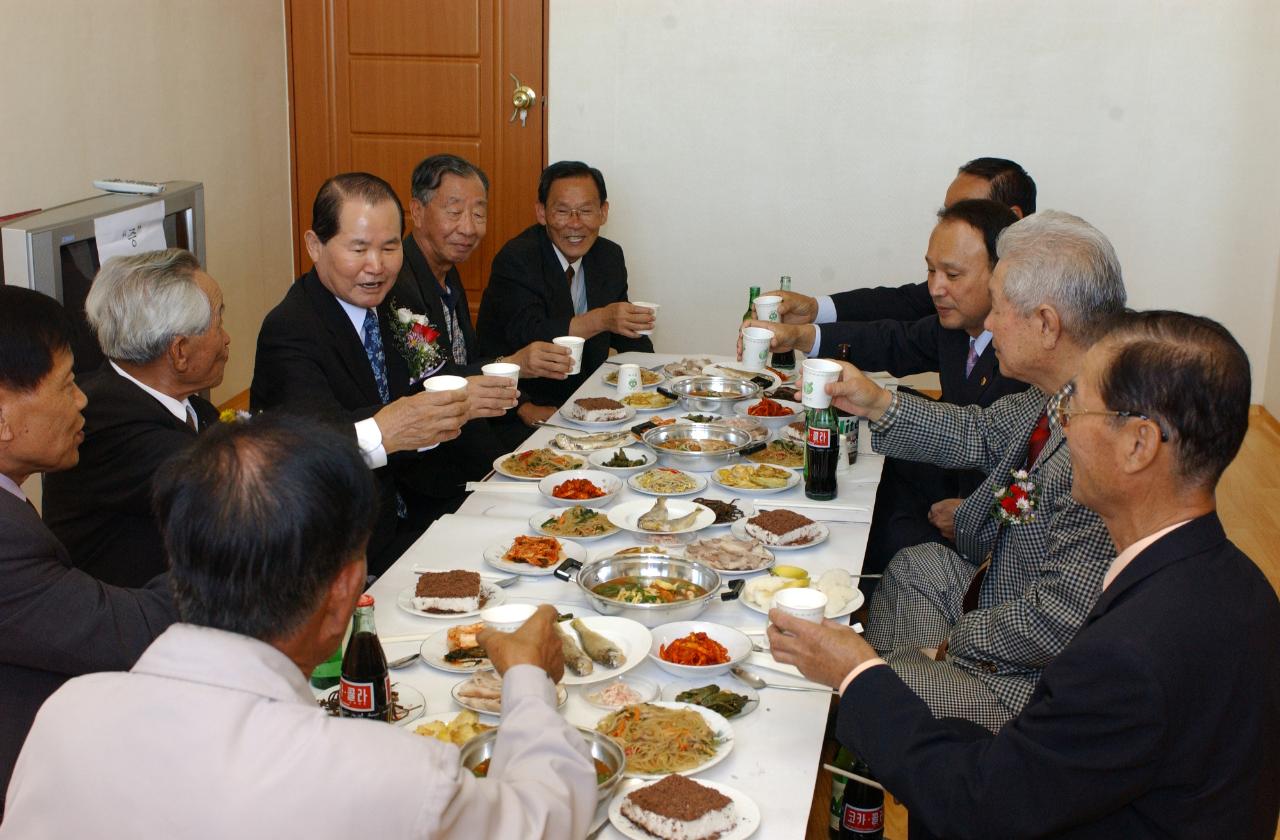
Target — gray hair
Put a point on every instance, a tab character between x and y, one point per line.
140	303
1060	259
428	174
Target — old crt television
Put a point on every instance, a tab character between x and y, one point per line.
54	252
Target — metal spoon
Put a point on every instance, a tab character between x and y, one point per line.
757	683
402	661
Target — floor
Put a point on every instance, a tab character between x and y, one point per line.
1249	506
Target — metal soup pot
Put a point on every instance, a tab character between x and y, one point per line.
648	566
602	747
734	391
741	442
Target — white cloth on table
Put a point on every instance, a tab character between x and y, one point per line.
214	735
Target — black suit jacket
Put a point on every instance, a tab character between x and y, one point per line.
1161	718
310	361
904	348
100	509
899	303
57	622
418	290
528	299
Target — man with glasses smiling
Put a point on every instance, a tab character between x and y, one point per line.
560	277
1161	717
970	628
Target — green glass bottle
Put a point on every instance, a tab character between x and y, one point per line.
785	361
328	672
751	304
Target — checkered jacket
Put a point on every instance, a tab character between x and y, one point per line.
1045	574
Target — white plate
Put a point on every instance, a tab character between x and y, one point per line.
597	459
435	646
497	464
490	596
739	530
732	573
631	636
647	409
562	696
646	688
628	416
671	689
723	731
439	717
610	484
568	549
794	478
718	370
846	612
700	483
627	515
746	810
673	371
535	522
610	377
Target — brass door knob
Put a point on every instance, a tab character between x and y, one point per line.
522	99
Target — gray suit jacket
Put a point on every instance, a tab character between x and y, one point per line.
58	622
1045	574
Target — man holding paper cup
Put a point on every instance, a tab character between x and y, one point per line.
334	349
560	279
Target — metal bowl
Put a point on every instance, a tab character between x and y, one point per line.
648	566
740	439
736	389
602	747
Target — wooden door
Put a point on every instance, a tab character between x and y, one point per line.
378	85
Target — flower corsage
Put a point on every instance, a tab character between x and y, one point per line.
232	415
1016	504
416	341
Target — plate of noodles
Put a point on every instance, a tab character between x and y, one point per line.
665	738
666	481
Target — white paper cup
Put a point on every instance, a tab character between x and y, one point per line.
444	383
755	347
767	308
507	618
507	369
629	381
575	349
818	373
808	604
644	304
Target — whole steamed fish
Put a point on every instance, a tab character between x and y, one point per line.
590	443
658	518
574	659
598	647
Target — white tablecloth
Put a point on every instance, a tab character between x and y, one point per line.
776	750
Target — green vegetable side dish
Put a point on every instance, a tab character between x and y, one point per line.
620	459
701	418
714	698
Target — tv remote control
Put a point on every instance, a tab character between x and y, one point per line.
120	185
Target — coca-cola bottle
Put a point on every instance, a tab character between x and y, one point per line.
862	809
821	453
365	688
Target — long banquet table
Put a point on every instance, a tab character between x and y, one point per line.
776	748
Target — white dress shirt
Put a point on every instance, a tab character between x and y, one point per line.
216	735
13	487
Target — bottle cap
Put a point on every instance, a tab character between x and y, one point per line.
366	600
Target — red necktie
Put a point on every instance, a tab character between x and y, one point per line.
1039	437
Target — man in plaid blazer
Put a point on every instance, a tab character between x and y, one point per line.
1056	288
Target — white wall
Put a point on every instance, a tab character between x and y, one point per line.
159	90
744	140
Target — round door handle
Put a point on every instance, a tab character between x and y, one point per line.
523	96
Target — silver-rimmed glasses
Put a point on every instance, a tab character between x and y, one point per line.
1060	412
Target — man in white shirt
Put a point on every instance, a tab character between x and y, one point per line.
158	319
215	734
1161	717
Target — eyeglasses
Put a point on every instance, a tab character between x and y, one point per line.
1061	415
586	214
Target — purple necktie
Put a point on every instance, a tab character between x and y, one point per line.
971	359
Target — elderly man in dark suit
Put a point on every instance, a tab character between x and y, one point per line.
973	644
1161	718
561	278
916	502
330	350
450	210
56	621
158	318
